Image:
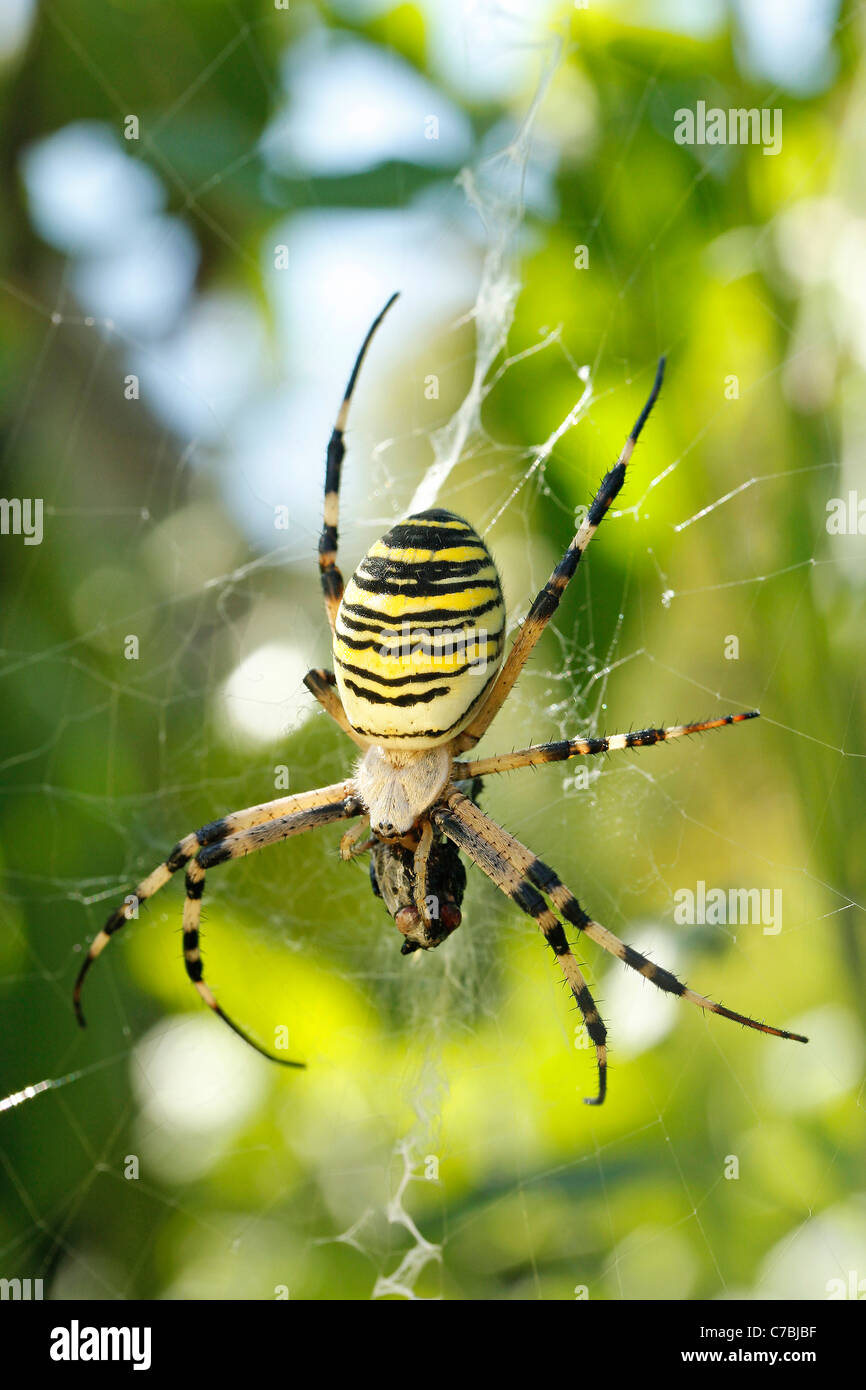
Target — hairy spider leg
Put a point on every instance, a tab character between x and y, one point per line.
323	684
235	847
547	601
332	579
490	846
454	816
563	749
214	832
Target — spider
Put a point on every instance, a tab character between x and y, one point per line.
419	675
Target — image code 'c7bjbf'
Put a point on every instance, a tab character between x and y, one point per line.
431	456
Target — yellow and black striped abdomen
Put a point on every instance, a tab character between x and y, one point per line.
419	632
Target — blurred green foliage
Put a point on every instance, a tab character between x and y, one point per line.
471	1058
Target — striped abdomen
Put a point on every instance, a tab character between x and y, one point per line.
419	632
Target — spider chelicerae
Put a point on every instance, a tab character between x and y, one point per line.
419	675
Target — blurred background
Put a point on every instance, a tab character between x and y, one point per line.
204	205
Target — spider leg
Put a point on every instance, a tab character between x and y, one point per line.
323	684
455	809
485	843
419	869
547	602
545	878
235	847
581	747
332	580
349	846
187	848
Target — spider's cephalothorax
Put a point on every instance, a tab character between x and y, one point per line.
398	787
418	643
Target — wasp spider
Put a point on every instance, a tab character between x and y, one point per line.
418	645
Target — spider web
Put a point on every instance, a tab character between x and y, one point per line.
437	1147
